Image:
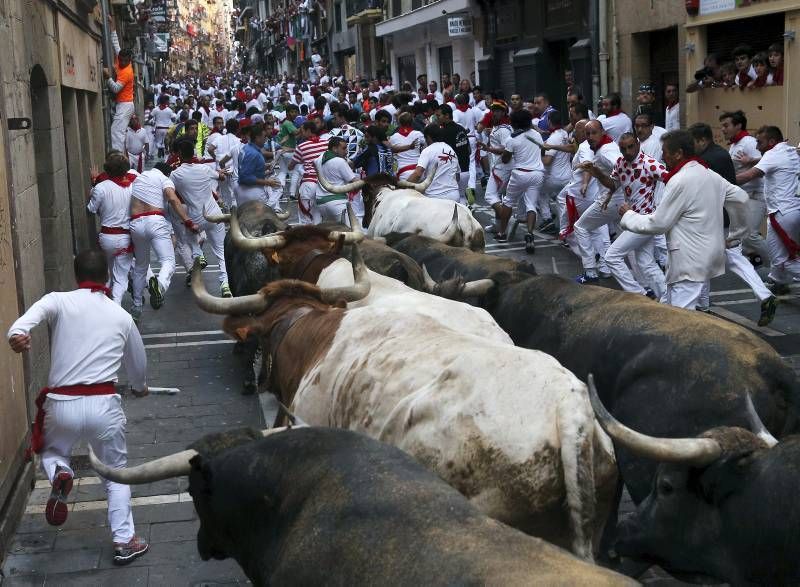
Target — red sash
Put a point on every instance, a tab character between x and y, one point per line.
572	218
150	213
792	247
114	230
37	432
405	168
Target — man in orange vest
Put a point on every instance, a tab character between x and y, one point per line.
121	84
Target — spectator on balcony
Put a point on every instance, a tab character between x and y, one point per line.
775	55
672	112
728	71
763	74
743	59
709	76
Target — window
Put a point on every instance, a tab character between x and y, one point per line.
397	7
446	60
416	4
337	16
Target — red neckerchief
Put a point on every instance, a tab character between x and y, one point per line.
220	108
761	81
670	174
462	107
124	181
555	127
95	286
768	148
162	106
777	76
604	140
671	104
739	136
613	113
744	79
135	128
102	177
314	138
405	130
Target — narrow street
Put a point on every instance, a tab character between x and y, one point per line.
187	349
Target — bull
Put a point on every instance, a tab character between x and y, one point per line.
408	210
519	451
722	504
661	370
318	506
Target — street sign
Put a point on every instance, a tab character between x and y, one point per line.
712	6
158	11
459	26
159	43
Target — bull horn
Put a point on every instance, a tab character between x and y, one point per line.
477	288
423	185
282	215
174	465
694	451
270	241
450	234
355	292
757	426
430	284
252	304
352	236
216	218
337	189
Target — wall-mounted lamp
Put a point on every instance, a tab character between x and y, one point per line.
689	47
789	35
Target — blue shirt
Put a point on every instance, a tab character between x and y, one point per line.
251	165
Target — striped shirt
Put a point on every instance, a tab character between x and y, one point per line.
309	150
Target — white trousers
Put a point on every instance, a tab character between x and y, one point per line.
136	161
497	184
593	218
783	269
159	135
119	259
122	118
599	240
215	233
738	264
525	185
332	211
683	294
155	232
100	421
283	165
307	199
641	245
754	242
183	243
248	193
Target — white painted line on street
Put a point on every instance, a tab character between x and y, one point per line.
555	267
183	271
179	334
741	320
85	506
522	248
170	345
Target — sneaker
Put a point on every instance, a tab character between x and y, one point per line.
704	309
768	308
470	194
584	278
755	260
649	293
203	262
484	181
56	510
778	289
225	291
548	226
500	237
136	313
189	278
490	228
130	551
530	247
156	295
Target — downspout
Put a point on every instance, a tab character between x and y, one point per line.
108	62
602	25
594	37
615	48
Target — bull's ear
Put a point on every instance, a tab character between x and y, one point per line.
273	257
724	477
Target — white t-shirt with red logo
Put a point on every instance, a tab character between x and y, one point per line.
638	179
407	160
445	183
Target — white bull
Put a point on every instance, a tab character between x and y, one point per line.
390	210
521	450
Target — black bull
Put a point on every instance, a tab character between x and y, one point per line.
314	506
660	370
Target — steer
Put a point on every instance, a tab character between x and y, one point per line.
316	506
309	253
723	504
663	371
520	451
409	210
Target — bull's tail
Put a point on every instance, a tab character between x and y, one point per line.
576	435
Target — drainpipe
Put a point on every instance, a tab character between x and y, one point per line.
602	24
108	61
595	43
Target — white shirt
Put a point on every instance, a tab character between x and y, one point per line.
526	151
498	137
391	110
605	159
672	117
467	119
149	187
337	172
253	103
652	145
407	159
582	155
560	169
617	125
445	182
135	140
780	165
90	337
112	202
163	118
194	183
748	146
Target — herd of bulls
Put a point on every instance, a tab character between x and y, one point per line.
503	445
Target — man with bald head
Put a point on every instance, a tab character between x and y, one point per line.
602	211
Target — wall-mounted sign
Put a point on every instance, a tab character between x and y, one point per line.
712	6
158	11
159	43
459	26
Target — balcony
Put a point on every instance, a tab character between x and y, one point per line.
763	106
364	11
